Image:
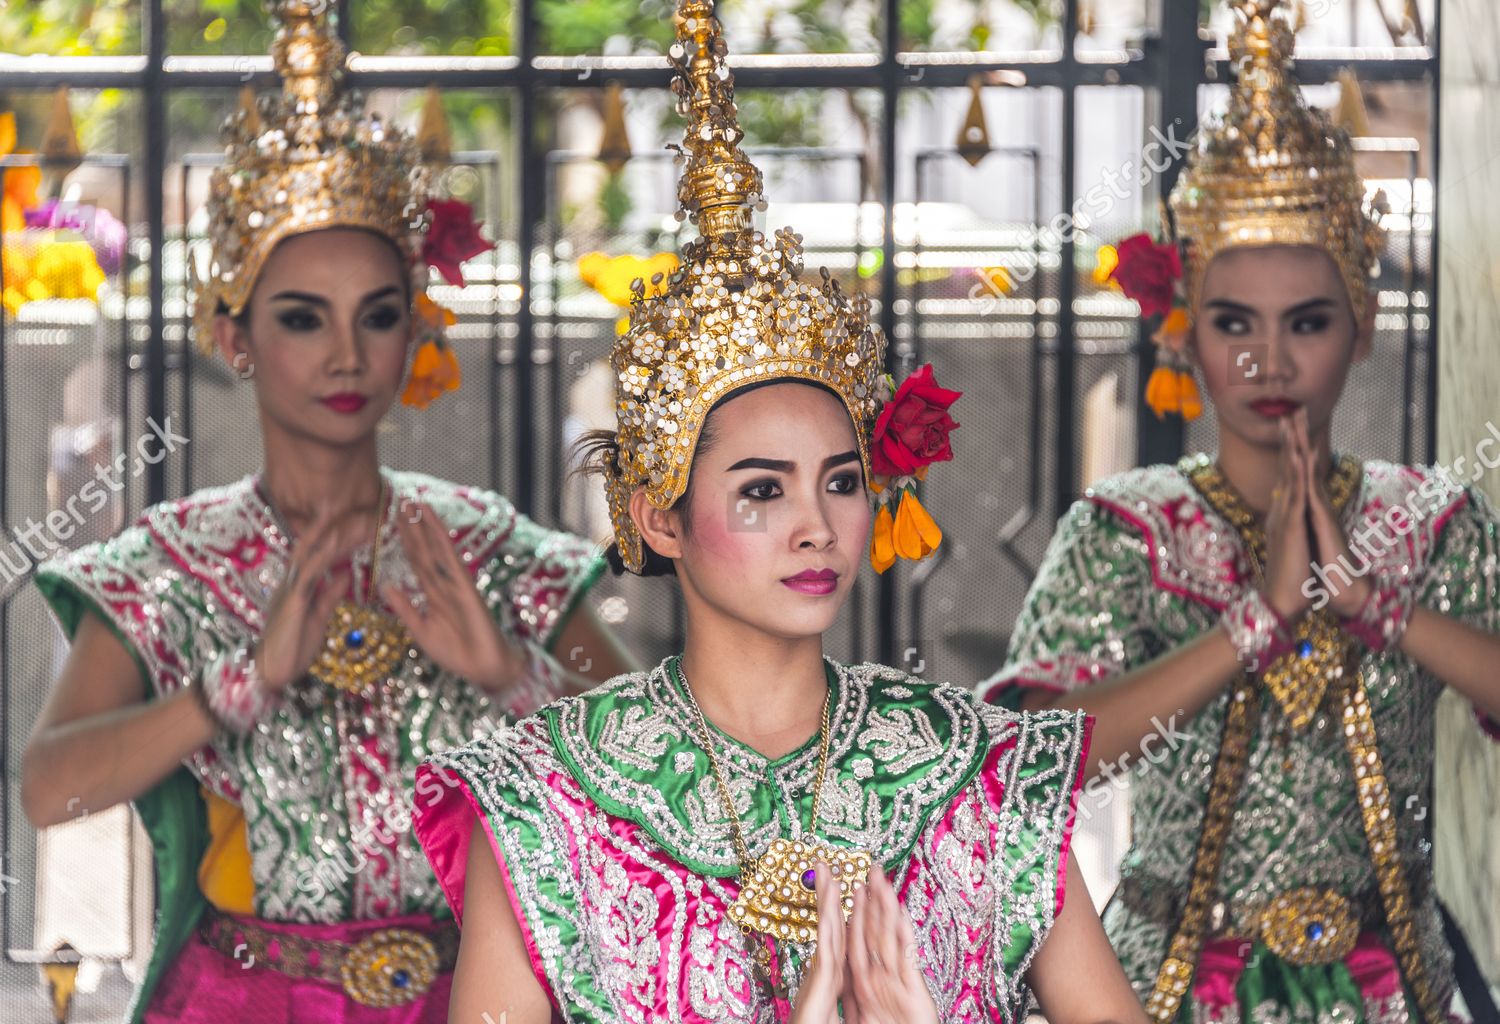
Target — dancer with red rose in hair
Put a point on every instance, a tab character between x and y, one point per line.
751	831
259	667
1290	613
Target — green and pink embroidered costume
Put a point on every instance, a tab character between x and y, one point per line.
324	782
1145	564
619	863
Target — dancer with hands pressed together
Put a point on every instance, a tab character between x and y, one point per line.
259	667
1266	632
687	844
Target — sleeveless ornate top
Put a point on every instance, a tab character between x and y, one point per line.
620	866
324	783
1142	565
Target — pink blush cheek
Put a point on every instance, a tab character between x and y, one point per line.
734	540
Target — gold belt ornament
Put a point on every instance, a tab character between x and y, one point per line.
388	967
1309	926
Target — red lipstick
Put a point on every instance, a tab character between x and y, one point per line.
817	582
345	402
1275	408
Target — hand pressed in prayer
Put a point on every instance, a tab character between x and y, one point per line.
455	627
868	966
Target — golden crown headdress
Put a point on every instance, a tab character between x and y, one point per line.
1271	170
304	160
735	312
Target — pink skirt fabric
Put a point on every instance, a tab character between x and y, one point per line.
203	986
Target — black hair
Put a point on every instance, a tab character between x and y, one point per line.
598	453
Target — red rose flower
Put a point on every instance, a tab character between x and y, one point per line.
913	427
1148	273
452	238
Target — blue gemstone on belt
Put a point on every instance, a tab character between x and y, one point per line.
354	638
1305	649
400	979
1315	931
810	879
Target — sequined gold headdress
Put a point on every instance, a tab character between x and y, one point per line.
1272	171
734	313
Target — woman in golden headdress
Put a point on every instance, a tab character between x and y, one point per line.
259	667
686	844
1267	631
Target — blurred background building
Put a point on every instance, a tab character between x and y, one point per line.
962	161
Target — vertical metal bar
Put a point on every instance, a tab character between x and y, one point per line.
155	181
1177	53
889	94
1065	430
1434	81
494	408
530	162
1409	338
187	342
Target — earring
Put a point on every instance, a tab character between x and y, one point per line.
243	367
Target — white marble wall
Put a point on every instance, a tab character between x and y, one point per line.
1468	766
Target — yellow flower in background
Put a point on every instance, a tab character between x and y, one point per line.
997	280
20	184
1106	260
611	276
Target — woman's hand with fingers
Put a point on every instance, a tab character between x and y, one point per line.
823	984
887	985
297	617
1328	535
455	626
1288	543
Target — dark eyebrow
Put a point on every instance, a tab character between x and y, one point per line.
318	300
783	466
1301	307
1309	305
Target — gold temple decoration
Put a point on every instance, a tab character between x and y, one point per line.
974	137
1303	926
362	645
1271	170
734	314
1350	114
614	149
434	137
304	160
61	151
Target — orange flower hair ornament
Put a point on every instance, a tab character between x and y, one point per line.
1151	274
911	433
452	237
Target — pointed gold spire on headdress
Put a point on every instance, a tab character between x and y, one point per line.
1271	170
735	313
60	145
434	137
719	186
974	136
305	158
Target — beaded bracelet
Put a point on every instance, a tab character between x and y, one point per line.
1259	634
233	692
1381	621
